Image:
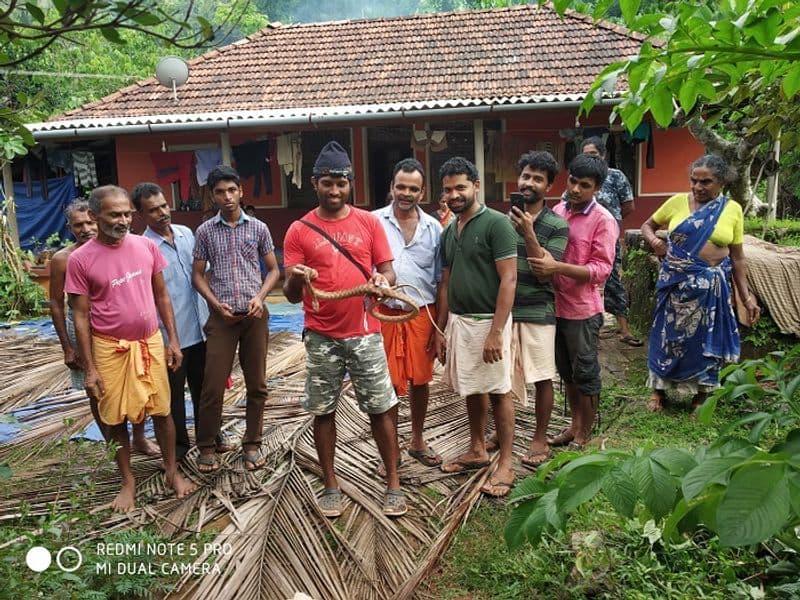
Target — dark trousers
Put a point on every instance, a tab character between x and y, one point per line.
191	372
251	337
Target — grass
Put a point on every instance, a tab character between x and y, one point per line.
603	555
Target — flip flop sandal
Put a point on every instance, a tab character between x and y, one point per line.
631	341
331	502
536	459
428	457
562	439
462	466
254	459
209	461
394	503
489	488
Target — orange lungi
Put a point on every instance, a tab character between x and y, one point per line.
134	373
406	346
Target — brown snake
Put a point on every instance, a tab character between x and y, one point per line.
367	289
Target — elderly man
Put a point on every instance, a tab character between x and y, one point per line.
414	238
83	228
120	277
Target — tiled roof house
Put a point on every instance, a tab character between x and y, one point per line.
486	84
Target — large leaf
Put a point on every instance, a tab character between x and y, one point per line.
712	470
620	490
581	485
527	522
661	106
527	489
629	8
656	486
793	480
677	462
755	505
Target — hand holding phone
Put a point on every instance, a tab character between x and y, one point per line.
517	200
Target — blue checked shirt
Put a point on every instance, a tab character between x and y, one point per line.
233	254
191	310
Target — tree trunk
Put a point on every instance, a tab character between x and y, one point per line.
739	156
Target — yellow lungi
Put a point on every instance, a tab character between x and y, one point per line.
134	374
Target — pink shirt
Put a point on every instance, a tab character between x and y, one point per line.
118	282
362	235
593	234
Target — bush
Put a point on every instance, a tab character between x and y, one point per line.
20	296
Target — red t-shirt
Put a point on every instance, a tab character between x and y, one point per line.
364	238
119	283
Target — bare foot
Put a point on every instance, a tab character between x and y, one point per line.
146	447
492	445
126	499
181	486
656	402
468	461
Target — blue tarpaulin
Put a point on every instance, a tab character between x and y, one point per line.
38	218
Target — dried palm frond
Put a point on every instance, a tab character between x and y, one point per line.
278	541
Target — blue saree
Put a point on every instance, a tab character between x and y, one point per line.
694	326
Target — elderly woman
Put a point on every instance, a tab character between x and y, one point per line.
694	326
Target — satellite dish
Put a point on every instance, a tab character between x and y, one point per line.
172	72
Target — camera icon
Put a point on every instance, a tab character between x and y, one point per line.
68	559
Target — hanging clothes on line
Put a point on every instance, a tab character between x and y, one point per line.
174	167
289	153
205	161
84	168
252	160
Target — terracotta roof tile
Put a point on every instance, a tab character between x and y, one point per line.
518	51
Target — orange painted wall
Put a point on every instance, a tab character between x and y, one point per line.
674	150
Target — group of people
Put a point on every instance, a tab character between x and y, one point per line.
504	299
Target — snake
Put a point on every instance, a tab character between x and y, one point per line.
367	289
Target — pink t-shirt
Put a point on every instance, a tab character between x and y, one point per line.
361	234
118	282
593	234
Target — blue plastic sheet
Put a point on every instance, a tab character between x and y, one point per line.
38	218
283	316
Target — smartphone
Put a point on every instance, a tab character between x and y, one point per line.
518	200
239	313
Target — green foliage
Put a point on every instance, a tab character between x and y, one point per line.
745	489
730	59
20	297
29	32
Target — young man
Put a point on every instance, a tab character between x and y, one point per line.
176	243
231	243
119	277
414	239
586	264
540	230
475	297
83	228
616	196
337	246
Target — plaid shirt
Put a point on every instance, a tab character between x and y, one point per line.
233	253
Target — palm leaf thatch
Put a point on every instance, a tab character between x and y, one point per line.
280	543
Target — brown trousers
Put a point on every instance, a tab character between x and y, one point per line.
251	336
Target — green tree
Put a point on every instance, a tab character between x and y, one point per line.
729	63
29	29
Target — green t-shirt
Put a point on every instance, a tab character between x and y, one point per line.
534	301
486	238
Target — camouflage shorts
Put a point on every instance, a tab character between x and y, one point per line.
327	359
